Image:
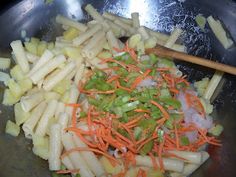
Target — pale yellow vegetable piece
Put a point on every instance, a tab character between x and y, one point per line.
69	22
109	168
5	63
4	77
42	47
70	34
50	45
17	73
219	32
35	40
48	96
20	55
62	86
12	128
31	47
41	151
105	54
20	115
211	87
9	99
201	21
25	85
14	88
41	146
150	43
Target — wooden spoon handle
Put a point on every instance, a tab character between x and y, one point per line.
166	52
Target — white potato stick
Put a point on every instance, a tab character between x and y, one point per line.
75	157
173	37
112	40
60	109
29	102
46	56
20	55
135	18
143	33
29	125
55	147
63	120
49	84
69	22
191	157
44	120
47	68
169	164
94	13
86	35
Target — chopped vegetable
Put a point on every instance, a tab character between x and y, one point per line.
4	63
12	128
216	130
219	32
201	21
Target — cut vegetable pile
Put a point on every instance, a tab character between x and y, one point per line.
94	106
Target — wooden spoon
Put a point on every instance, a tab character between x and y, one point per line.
166	52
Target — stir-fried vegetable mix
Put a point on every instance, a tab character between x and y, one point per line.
133	107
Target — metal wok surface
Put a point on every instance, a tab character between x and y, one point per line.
37	18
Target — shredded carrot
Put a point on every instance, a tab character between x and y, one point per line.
164	69
67	171
73	104
175	156
174	90
176	136
113	78
154	162
145	141
160	149
140	78
74	119
97	92
164	112
124	88
142	110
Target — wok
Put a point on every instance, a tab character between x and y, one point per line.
37	18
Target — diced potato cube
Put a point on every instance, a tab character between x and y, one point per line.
150	43
134	40
70	34
12	128
25	85
17	73
62	86
20	115
50	45
9	99
42	47
73	52
41	146
41	151
15	88
31	47
35	40
40	140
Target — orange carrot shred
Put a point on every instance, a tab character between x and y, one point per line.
67	171
140	78
154	162
176	137
164	112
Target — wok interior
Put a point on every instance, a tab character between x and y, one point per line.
37	19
